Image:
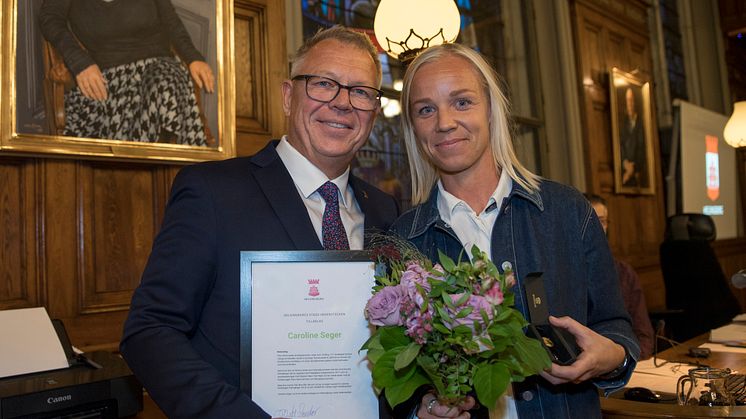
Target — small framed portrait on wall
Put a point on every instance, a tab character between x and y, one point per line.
631	126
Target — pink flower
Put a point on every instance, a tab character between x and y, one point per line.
384	307
494	295
419	325
510	280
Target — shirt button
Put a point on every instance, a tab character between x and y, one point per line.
527	395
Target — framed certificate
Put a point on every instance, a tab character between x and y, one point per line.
302	326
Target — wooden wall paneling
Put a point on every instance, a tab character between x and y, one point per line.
595	101
20	285
260	63
615	34
118	208
61	244
100	219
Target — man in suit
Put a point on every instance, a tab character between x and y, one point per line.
632	139
182	335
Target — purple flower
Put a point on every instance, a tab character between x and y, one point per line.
417	275
477	303
384	307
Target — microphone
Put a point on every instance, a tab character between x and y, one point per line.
739	279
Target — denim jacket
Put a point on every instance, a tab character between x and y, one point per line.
554	231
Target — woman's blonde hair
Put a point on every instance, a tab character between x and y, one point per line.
424	173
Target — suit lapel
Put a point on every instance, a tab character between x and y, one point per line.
279	188
372	215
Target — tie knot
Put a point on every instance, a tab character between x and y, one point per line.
328	191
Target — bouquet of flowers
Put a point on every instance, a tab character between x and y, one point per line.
450	325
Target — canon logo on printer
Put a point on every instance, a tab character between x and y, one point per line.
58	399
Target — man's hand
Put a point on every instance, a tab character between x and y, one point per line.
92	83
431	409
628	169
202	75
600	354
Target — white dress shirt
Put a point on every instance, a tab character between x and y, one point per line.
476	229
472	228
308	178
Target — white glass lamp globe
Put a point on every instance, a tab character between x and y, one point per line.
735	130
402	26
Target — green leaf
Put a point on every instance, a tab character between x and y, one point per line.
385	375
446	262
464	298
401	392
393	337
447	301
442	329
373	342
430	366
442	312
465	312
462	330
374	354
533	355
490	382
405	357
476	252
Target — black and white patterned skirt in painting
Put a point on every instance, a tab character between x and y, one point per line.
149	100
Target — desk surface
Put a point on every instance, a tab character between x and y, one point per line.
618	408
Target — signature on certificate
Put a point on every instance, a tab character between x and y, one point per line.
299	411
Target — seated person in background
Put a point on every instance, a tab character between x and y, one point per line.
129	84
634	298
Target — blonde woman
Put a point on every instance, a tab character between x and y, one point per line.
470	189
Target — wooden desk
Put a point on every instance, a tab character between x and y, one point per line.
616	407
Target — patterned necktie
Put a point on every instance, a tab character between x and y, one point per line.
332	231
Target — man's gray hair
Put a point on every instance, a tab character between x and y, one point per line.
344	35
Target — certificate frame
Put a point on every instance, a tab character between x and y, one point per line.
249	259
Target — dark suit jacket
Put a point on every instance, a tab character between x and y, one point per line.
182	335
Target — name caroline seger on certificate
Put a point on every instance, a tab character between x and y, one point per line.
307	327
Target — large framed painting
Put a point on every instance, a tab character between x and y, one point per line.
66	91
631	126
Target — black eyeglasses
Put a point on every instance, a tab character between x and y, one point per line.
324	89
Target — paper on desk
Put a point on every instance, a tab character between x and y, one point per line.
740	318
28	342
662	378
734	332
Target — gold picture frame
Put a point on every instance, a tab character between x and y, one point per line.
632	134
22	74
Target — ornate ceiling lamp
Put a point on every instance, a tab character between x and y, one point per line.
406	27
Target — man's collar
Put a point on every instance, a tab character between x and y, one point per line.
306	176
